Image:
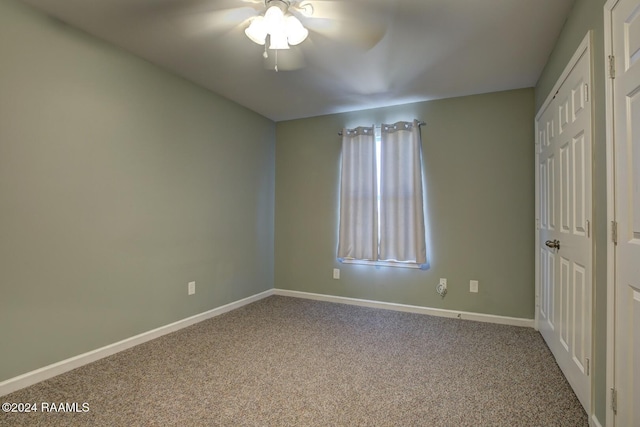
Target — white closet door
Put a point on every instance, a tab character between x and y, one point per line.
564	217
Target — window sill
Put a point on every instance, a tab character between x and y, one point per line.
385	264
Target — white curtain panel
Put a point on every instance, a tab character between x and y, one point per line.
358	235
402	232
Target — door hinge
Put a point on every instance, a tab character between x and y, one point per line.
588	228
614	232
588	366
612	67
614	400
586	92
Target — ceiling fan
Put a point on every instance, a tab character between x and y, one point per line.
306	27
289	28
288	22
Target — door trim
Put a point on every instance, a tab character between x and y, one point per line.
611	214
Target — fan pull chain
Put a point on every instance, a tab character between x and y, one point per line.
276	67
265	55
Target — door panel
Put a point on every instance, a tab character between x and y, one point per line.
579	179
579	339
551	192
633	112
543	286
634	333
631	33
578	95
551	280
563	114
544	211
565	194
565	265
565	207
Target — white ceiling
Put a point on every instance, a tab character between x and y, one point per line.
360	53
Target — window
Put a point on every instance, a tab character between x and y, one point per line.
381	196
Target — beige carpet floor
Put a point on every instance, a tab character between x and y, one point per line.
293	362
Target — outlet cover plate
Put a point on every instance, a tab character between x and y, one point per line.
473	286
191	288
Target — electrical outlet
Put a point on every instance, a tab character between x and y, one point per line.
191	288
441	288
336	273
473	286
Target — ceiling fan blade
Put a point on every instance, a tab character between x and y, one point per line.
360	35
362	25
172	7
214	22
196	17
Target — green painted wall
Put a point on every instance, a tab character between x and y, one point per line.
479	159
119	183
589	15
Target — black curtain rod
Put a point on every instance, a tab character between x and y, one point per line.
379	127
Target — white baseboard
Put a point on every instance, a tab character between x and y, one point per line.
33	377
479	317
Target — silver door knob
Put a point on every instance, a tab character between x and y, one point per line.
553	244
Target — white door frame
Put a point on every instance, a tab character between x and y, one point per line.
611	260
611	213
611	303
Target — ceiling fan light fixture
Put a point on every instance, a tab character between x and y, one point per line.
274	18
296	33
257	30
278	40
283	29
